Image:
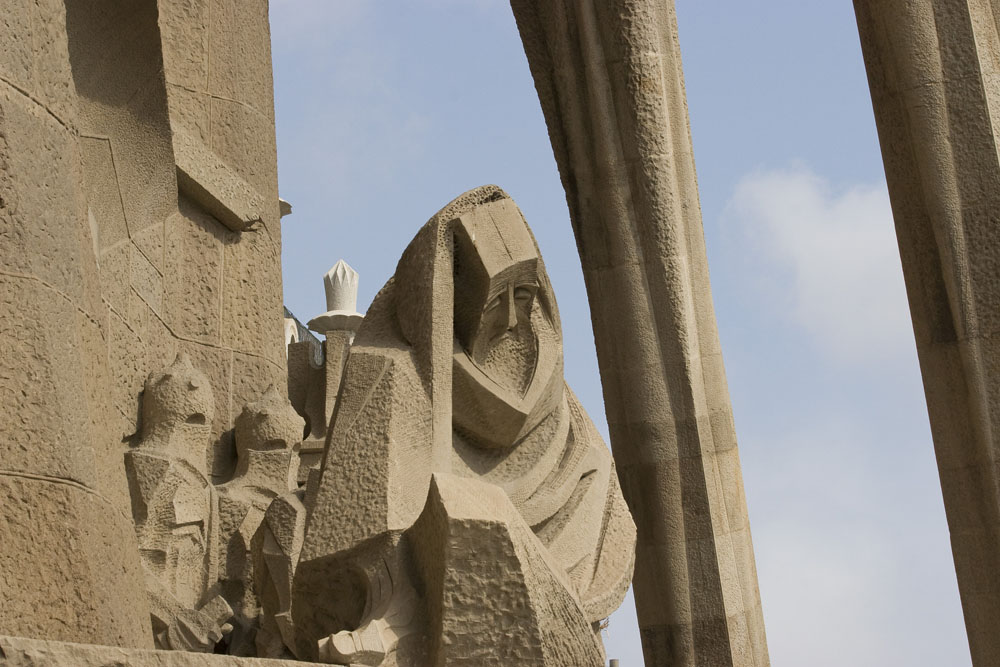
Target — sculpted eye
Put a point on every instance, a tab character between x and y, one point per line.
492	305
523	294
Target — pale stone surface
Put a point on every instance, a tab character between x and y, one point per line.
457	371
22	652
209	181
69	566
313	388
341	286
608	74
933	73
277	547
196	539
499	597
107	271
291	333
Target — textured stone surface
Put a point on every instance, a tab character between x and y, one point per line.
41	369
217	57
194	256
103	199
252	269
117	72
106	272
313	388
69	565
22	652
341	286
935	84
63	569
457	370
276	551
608	75
489	574
214	185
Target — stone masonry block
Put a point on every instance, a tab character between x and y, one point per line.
150	241
146	280
22	652
38	219
190	112
55	532
251	305
193	276
40	375
127	360
103	198
16	57
115	263
241	54
244	140
184	30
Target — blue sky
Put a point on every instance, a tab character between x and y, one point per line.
386	110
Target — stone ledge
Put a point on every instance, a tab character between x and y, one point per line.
213	184
25	652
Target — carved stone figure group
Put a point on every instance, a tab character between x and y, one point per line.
465	508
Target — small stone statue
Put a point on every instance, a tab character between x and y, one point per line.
276	550
467	510
268	434
175	510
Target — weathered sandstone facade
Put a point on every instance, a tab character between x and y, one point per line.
139	218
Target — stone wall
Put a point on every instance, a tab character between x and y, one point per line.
177	278
139	217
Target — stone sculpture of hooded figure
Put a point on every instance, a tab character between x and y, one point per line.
454	409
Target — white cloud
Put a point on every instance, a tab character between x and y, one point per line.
853	561
837	250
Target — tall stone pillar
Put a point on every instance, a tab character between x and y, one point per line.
69	562
934	72
608	73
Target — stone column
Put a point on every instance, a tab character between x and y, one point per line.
69	562
608	73
934	72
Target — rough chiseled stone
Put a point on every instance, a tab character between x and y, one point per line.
107	273
193	291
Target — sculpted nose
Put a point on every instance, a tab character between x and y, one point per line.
511	310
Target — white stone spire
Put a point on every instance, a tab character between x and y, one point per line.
341	285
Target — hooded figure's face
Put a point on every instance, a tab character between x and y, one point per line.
496	280
507	357
508	307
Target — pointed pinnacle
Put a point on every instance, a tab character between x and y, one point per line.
341	284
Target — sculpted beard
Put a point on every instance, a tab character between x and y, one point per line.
510	358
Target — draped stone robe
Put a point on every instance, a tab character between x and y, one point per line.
419	424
